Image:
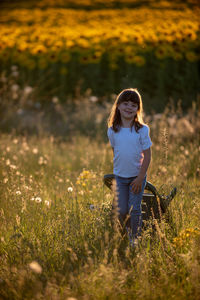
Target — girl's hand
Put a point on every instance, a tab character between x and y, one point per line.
137	185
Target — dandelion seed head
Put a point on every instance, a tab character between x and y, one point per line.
38	200
13	167
28	90
25	146
186	152
42	161
55	100
47	203
15	141
15	87
35	267
35	150
7	162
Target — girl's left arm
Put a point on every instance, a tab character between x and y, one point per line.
137	182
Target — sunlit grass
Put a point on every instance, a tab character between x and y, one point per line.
57	237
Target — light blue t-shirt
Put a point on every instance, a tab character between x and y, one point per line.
128	149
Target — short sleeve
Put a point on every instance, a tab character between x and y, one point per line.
110	134
145	137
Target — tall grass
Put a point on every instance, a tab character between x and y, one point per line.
57	237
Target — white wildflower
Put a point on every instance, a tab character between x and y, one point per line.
35	151
15	87
93	99
7	162
70	189
55	100
18	193
28	90
47	202
38	200
13	167
35	267
15	141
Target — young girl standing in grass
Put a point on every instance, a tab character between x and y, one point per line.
130	141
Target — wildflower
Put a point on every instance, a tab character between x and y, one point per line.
70	189
93	99
28	90
15	141
13	167
186	152
18	193
33	199
47	202
35	151
35	267
38	200
5	180
42	161
55	100
7	162
15	87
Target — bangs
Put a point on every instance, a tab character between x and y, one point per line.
129	95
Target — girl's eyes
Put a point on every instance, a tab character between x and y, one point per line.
132	104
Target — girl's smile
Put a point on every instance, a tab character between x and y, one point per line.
128	109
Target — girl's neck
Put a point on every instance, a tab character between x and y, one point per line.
126	123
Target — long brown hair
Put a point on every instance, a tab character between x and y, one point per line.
114	119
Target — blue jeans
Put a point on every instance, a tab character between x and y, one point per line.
129	203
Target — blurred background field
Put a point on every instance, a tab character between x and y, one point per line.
62	64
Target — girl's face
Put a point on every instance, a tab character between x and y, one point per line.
128	110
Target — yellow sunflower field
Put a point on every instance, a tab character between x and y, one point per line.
111	45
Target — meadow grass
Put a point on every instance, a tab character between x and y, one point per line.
57	237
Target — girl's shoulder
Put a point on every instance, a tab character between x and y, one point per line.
144	128
110	129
